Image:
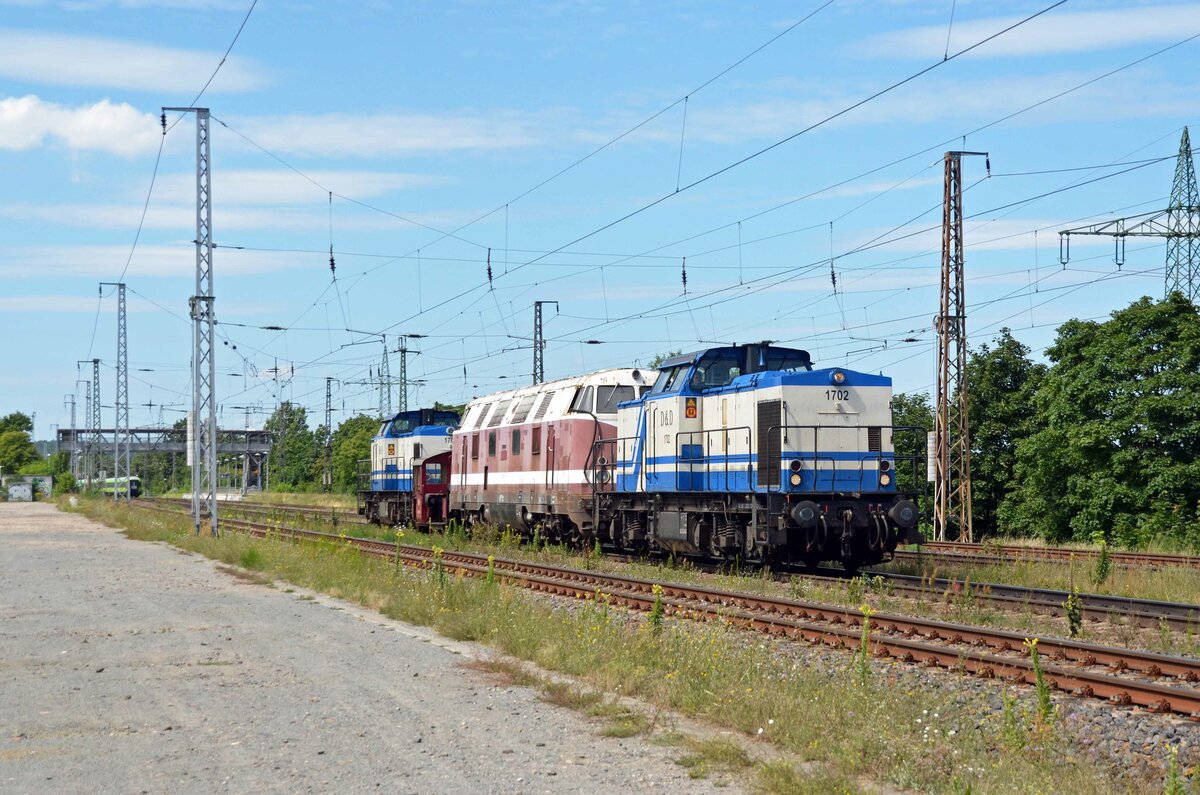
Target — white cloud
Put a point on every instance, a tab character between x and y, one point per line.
1055	32
68	60
29	122
350	135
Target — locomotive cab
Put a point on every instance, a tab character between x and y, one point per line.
408	475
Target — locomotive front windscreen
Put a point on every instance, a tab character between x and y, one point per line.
788	360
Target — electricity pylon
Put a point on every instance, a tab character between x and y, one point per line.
952	428
1179	224
204	368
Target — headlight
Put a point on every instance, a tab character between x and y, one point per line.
885	465
795	479
837	377
795	465
885	479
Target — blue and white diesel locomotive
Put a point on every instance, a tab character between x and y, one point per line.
748	452
409	469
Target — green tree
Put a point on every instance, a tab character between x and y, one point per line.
16	421
457	408
654	363
16	450
294	448
1003	381
1116	454
911	410
352	443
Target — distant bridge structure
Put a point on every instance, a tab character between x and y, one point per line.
251	447
166	440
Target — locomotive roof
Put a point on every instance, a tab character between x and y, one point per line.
612	373
750	351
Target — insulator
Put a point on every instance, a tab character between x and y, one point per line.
685	275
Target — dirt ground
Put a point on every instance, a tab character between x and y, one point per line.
131	667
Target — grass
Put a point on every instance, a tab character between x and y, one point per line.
306	499
1170	583
960	606
843	730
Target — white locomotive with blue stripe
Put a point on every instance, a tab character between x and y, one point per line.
408	475
747	452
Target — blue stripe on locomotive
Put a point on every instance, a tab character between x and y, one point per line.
740	472
392	477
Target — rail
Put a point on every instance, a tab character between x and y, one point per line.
1121	676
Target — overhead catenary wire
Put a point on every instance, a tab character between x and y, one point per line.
697	266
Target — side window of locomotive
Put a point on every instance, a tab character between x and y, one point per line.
491	444
516	441
607	398
583	400
535	440
433	474
668	380
474	445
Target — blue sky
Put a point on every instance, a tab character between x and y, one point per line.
437	125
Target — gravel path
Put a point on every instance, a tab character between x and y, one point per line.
130	667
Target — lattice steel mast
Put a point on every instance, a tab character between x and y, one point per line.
1179	224
70	400
539	342
403	399
94	442
327	476
952	429
385	383
121	469
204	376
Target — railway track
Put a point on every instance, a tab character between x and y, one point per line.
1146	613
1157	682
1093	607
952	551
997	553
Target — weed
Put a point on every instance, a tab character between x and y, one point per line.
795	587
1175	783
1045	706
627	724
780	778
656	612
439	567
856	588
1165	636
864	646
1012	731
1103	565
491	572
1074	610
708	756
251	559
